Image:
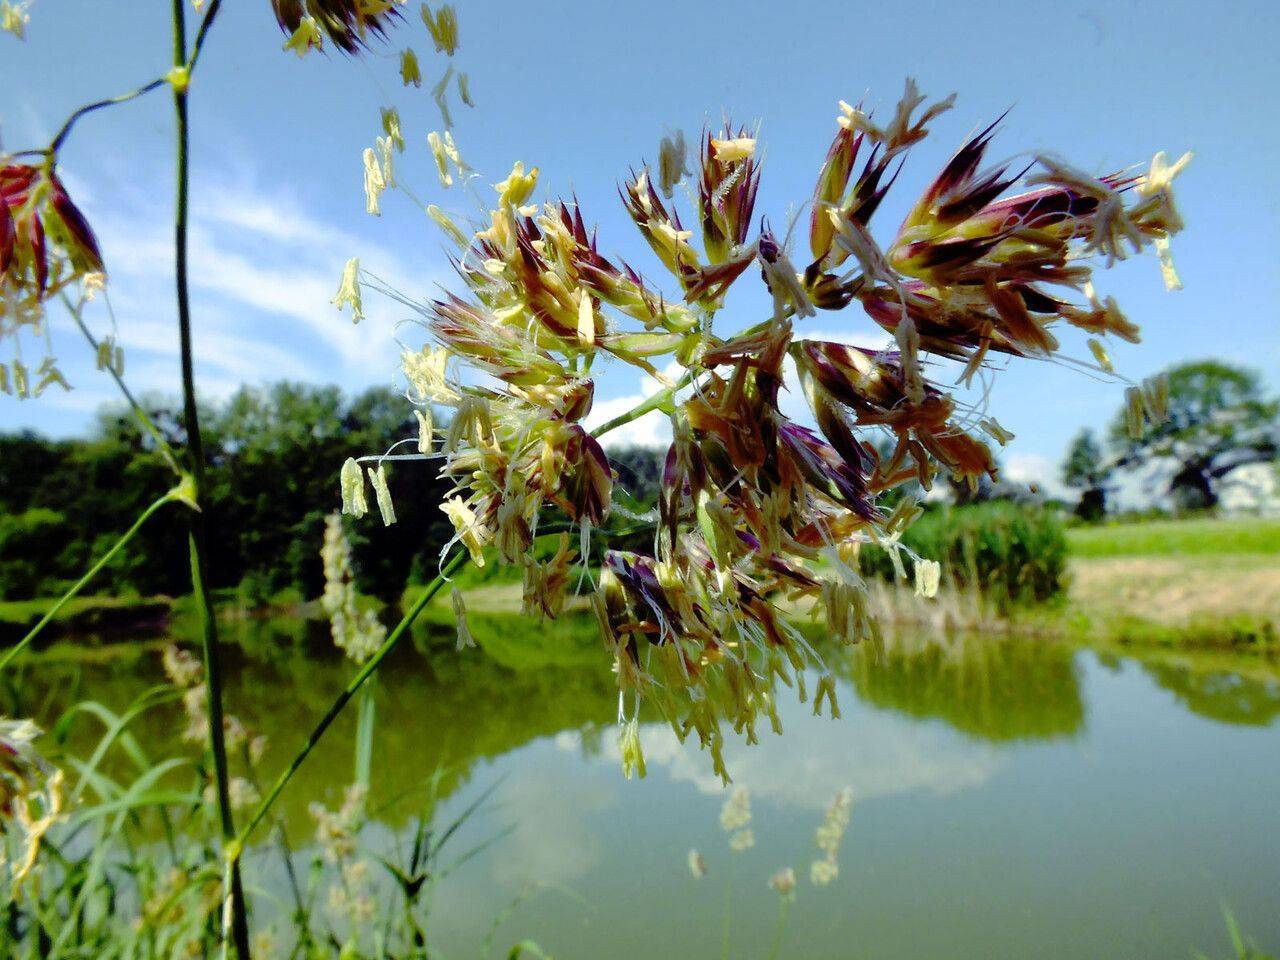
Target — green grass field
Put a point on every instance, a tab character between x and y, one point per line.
1194	582
1174	538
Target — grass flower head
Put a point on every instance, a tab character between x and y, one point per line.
757	513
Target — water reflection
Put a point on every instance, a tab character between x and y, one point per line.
978	786
998	689
445	712
1218	694
883	755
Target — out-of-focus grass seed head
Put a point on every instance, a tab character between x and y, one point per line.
348	24
46	247
14	18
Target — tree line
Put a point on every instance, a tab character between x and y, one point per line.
274	454
1219	420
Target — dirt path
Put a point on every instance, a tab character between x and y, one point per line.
1171	590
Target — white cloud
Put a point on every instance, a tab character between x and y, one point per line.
278	218
1028	467
877	754
250	358
263	273
651	430
556	846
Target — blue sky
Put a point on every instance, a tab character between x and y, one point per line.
585	90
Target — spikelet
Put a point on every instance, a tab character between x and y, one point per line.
352	483
379	480
410	72
349	290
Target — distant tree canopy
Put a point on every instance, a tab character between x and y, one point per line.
1219	420
639	472
275	454
1087	469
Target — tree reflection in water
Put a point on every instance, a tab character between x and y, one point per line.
1219	694
998	689
446	713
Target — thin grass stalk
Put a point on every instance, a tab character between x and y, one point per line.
779	927
393	638
358	681
196	537
80	584
366	711
667	395
65	130
655	402
144	419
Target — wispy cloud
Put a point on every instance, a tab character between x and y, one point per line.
264	271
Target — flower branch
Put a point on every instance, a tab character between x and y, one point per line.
181	493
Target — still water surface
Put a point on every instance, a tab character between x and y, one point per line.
1013	798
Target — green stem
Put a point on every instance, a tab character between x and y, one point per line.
197	535
365	672
393	638
779	927
202	32
655	402
65	130
664	397
80	584
166	451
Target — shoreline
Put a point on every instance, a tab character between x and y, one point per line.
96	623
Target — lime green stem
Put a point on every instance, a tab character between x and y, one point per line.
80	584
656	402
780	926
365	672
664	397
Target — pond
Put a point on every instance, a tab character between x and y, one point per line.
1012	798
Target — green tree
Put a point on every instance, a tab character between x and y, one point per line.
31	543
1219	420
1087	469
278	452
98	486
274	454
639	470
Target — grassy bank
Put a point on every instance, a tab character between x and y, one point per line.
1199	582
109	618
84	615
1194	583
1203	536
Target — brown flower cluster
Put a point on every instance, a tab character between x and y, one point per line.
760	515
